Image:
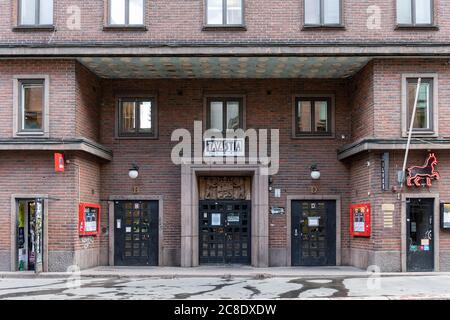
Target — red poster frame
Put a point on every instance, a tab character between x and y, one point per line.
81	219
367	220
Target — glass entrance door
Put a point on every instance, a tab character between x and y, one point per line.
313	233
224	232
136	233
420	243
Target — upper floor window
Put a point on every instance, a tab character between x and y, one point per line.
137	117
224	12
224	114
323	12
30	105
415	12
126	12
313	116
35	12
426	117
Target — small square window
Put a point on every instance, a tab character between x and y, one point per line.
224	114
415	12
35	12
137	117
126	13
323	12
224	12
313	116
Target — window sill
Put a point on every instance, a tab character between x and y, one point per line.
22	134
340	27
137	137
221	27
431	27
423	134
35	28
125	28
314	136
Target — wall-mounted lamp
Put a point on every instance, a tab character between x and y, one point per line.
133	173
315	172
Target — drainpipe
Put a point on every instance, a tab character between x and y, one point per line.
408	144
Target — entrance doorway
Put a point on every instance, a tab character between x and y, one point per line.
30	235
225	232
136	233
419	233
313	233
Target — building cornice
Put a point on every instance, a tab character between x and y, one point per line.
82	49
76	144
373	144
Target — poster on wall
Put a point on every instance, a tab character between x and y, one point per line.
89	219
445	216
360	220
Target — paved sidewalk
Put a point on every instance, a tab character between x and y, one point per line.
215	272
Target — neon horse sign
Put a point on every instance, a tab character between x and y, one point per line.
428	172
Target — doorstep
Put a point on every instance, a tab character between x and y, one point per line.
216	272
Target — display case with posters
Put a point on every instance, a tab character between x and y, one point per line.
445	216
360	220
89	219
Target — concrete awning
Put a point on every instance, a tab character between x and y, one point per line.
261	67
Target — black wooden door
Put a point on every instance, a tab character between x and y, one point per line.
419	232
313	233
224	228
136	233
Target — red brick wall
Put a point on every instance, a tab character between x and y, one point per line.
62	93
387	93
266	20
88	91
158	176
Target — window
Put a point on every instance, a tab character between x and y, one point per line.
323	13
126	12
224	114
423	120
137	117
224	12
414	12
35	12
313	116
31	105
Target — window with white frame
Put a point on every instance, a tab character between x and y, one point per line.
31	105
35	12
224	12
126	12
415	12
323	12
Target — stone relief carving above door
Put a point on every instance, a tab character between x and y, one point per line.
225	188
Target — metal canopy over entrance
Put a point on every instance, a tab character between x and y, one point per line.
250	67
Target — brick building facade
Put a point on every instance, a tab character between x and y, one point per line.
109	96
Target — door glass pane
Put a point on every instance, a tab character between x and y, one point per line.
423	11
214	12
331	12
128	117
312	11
136	12
117	12
28	12
217	115
145	116
404	12
304	116
321	116
233	115
234	12
46	12
32	106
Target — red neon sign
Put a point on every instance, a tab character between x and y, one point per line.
428	172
